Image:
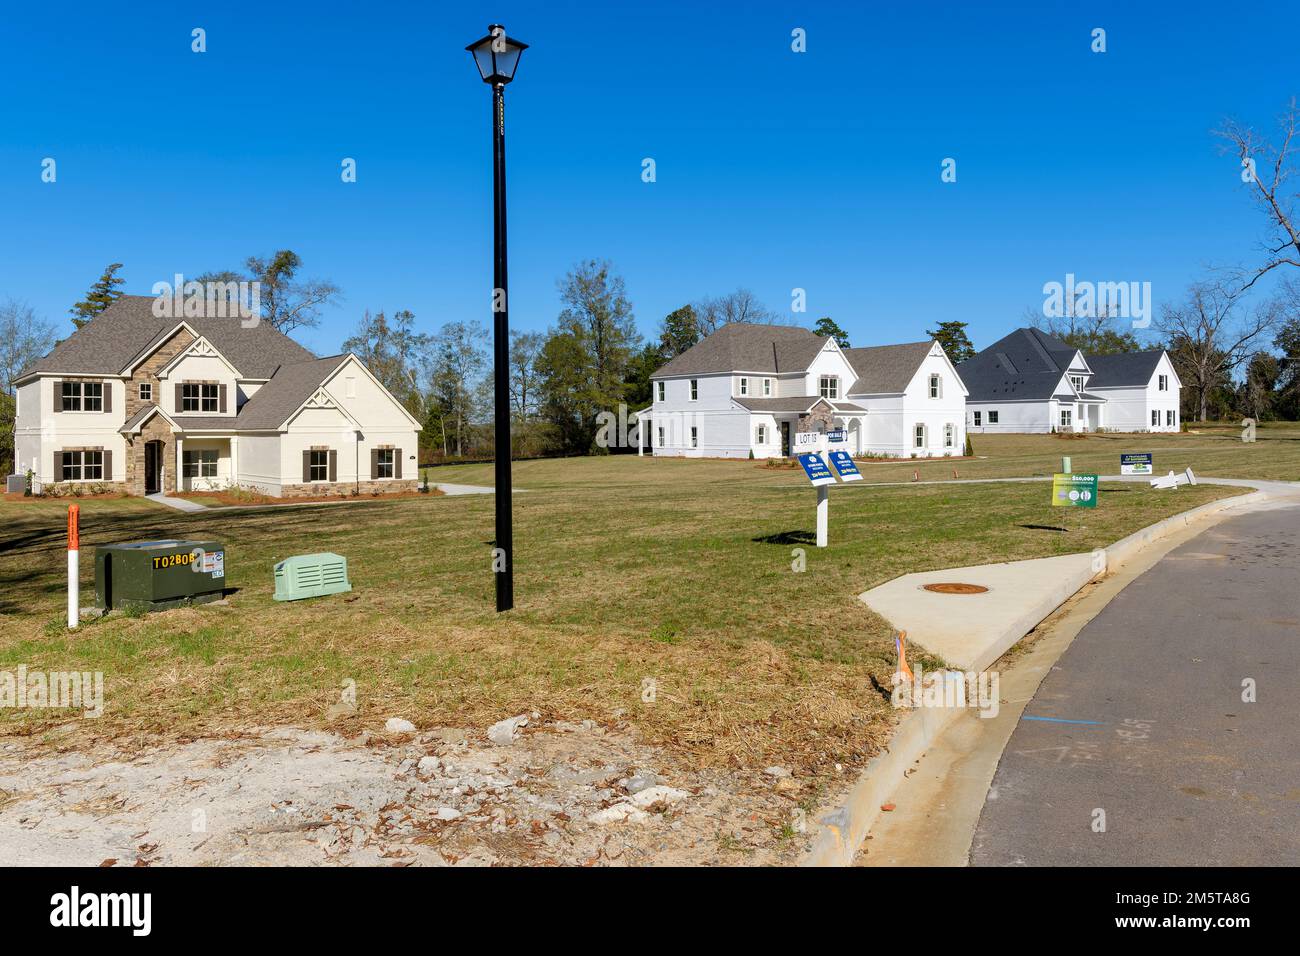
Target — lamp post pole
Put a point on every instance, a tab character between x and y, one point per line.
505	573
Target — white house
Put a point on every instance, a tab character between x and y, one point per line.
145	404
1030	381
747	389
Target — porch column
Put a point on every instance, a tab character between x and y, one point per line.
233	478
180	469
640	438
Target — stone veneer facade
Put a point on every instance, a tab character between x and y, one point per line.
155	429
343	489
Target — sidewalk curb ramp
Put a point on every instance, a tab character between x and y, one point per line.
841	830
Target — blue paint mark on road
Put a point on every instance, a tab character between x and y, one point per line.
1062	720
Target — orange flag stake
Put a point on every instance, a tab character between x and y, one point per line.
900	648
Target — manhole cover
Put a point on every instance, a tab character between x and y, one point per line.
953	588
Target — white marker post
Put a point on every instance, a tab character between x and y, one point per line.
823	513
74	566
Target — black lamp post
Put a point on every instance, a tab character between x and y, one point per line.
497	57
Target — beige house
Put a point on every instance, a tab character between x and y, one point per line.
155	405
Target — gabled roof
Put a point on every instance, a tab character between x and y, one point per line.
886	369
273	403
1126	370
748	347
142	415
1025	365
128	331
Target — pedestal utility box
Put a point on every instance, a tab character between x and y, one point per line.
311	575
157	575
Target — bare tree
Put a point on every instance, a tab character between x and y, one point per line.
525	379
1268	170
1208	337
23	339
739	306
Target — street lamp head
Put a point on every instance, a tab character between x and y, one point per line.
496	55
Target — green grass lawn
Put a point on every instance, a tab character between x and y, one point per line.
675	570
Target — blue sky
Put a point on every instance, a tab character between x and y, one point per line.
775	170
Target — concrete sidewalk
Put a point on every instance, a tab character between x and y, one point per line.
180	504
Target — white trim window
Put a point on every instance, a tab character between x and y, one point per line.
198	397
318	466
83	396
936	385
695	437
744	386
993	416
384	458
1077	382
146	391
1155	418
81	466
767	388
1067	418
829	386
659	391
918	435
661	437
977	419
1169	417
760	435
949	435
200	463
695	389
1162	383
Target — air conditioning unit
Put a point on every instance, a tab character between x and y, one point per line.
311	575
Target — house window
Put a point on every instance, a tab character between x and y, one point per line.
1077	382
198	397
767	387
146	391
659	386
1169	418
92	396
829	386
71	396
319	466
1164	383
918	436
760	435
695	389
1067	418
661	436
199	464
81	466
1155	418
695	437
384	463
949	431
993	418
977	419
936	386
744	386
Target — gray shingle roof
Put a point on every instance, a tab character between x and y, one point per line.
1130	369
1025	365
748	347
793	403
279	398
128	330
886	369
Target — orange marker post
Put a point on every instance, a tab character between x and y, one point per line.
74	565
900	647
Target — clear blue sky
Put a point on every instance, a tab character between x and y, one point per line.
775	169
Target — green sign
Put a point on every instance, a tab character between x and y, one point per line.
1074	491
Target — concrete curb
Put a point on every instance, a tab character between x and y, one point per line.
843	829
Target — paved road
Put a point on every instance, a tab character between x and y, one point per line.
1186	772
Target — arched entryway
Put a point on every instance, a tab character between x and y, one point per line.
153	467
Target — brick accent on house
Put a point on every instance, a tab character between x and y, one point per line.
155	429
823	414
344	489
147	371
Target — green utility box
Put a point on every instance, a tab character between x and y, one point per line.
156	575
311	575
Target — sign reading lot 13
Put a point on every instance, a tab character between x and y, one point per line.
1074	491
1135	464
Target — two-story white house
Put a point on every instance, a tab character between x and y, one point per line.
747	389
144	404
1030	381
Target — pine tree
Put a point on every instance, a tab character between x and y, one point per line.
101	295
952	336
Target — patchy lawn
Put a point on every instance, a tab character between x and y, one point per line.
674	570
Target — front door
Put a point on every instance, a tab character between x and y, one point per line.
153	460
785	439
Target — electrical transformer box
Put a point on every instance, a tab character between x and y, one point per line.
161	574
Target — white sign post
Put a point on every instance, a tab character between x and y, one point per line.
812	449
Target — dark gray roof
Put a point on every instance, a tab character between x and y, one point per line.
141	414
748	347
793	403
886	369
1025	365
208	422
1128	369
128	330
281	397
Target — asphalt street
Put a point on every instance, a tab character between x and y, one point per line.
1138	748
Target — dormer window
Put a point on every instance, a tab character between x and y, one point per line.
1077	382
829	387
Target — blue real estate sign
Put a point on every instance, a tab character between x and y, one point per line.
817	470
843	463
1134	464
